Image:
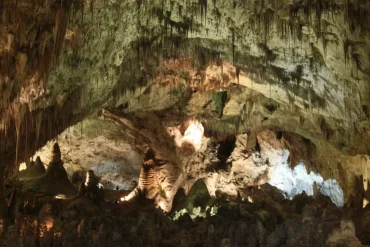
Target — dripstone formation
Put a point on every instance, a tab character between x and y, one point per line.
256	114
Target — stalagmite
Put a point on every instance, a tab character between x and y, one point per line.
55	180
36	169
272	88
90	188
92	180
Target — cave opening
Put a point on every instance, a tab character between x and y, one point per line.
225	148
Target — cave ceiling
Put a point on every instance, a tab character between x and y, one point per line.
237	66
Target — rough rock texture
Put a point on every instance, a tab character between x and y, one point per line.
238	67
345	235
241	168
310	56
35	169
255	110
269	221
53	182
266	218
102	146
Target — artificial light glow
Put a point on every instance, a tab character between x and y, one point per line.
297	180
61	197
87	181
194	134
22	166
365	202
127	198
49	223
162	206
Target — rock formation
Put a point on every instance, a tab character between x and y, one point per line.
265	102
92	180
251	43
55	180
35	169
156	181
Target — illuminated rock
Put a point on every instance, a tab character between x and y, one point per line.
92	180
192	136
55	180
148	185
158	182
36	169
299	66
148	180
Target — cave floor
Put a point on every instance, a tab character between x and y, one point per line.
98	220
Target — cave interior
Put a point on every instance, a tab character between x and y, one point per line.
184	123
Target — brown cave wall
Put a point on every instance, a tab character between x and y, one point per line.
3	206
37	128
267	23
306	145
32	34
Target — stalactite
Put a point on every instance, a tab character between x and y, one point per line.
61	23
3	206
45	65
82	129
357	14
26	143
268	17
364	172
233	44
38	122
92	9
237	72
17	114
49	125
82	15
203	9
319	7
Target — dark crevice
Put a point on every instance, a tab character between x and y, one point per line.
226	147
